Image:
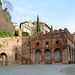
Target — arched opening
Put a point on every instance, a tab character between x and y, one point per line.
47	56
3	59
58	55
38	56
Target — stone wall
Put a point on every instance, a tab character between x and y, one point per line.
26	50
10	47
51	48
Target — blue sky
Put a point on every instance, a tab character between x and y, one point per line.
59	13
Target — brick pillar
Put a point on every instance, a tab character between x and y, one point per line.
20	33
32	56
64	56
52	55
42	51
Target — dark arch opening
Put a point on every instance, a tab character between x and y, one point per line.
4	59
47	56
37	56
57	55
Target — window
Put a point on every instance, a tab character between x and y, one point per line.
24	26
30	29
37	43
46	43
57	42
27	27
15	56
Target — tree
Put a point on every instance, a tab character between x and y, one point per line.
0	2
7	4
38	24
51	27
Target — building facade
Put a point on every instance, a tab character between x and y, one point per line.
17	28
56	47
31	28
27	27
44	27
52	48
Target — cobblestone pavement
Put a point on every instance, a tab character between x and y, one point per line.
33	70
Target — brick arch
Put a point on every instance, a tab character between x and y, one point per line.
3	59
57	55
47	56
38	57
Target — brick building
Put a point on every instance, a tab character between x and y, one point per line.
50	48
56	47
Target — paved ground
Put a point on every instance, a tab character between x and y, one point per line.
68	70
34	70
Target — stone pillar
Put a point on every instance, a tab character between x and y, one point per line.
3	60
68	54
73	55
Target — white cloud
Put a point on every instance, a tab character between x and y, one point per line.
23	10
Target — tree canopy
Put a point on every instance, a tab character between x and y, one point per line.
51	27
38	24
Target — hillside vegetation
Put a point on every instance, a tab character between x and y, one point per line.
5	21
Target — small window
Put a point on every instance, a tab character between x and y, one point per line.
46	43
38	43
24	26
57	42
15	56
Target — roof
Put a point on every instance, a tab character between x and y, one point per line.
43	23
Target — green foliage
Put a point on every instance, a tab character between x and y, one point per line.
11	34
0	45
25	34
51	27
16	33
6	34
17	40
28	43
38	24
5	9
0	2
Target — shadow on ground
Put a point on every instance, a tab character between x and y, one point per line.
68	70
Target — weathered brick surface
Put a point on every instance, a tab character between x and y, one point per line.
56	47
57	40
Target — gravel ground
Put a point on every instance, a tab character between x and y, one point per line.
35	70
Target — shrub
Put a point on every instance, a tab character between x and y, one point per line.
17	41
25	34
5	9
16	33
6	34
11	34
